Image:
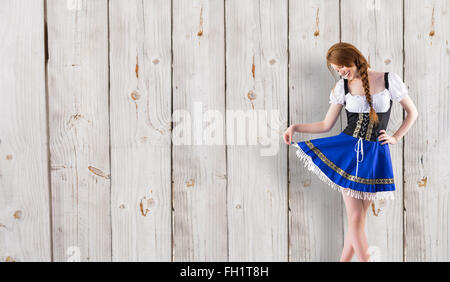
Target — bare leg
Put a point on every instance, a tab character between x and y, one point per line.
355	240
348	251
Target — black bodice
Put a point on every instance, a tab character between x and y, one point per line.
359	125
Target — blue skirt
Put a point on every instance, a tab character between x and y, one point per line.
360	168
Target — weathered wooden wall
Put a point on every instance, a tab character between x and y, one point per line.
426	158
316	226
376	28
88	90
25	212
256	61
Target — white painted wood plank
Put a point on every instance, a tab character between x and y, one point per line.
315	209
427	189
140	37
79	129
24	193
256	58
364	25
199	171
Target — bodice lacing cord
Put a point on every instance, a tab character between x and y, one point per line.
359	148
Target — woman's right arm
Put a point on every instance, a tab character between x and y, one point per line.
315	127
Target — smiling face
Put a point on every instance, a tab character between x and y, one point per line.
346	72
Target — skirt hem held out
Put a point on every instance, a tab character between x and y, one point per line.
362	171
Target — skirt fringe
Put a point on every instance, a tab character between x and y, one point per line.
311	166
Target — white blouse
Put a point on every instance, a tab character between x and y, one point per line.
381	100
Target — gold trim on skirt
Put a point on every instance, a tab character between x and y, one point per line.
345	174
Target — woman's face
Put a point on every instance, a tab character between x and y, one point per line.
345	72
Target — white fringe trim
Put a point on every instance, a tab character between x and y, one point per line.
311	166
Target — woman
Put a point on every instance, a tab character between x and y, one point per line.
357	161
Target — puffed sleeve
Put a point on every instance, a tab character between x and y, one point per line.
397	88
337	94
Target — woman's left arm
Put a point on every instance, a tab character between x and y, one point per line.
411	116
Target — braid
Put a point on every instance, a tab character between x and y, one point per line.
365	81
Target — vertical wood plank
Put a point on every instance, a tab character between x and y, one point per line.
427	190
24	192
199	171
364	25
140	37
315	209
256	59
79	129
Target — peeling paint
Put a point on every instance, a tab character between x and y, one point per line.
307	183
145	211
74	119
432	24
190	183
200	32
145	139
9	259
9	157
98	172
387	61
136	70
423	182
253	67
155	61
375	211
145	204
17	215
135	95
317	32
251	96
